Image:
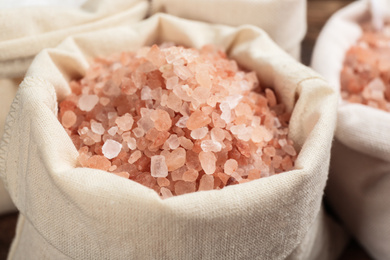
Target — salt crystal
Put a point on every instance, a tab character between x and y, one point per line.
230	166
191	175
217	134
125	122
176	159
158	166
99	162
69	118
183	187
138	132
211	146
146	93
289	149
173	142
88	102
226	112
132	144
112	131
134	156
162	120
197	120
111	149
206	182
97	128
186	143
163	182
199	133
165	193
182	121
208	160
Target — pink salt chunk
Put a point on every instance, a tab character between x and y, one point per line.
211	146
165	193
99	162
88	102
197	120
125	122
206	182
183	187
69	118
207	161
111	149
191	175
230	166
158	167
162	120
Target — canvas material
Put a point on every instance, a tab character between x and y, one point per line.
359	182
84	213
284	21
43	27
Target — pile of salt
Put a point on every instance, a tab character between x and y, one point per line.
177	120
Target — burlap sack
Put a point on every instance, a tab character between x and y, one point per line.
25	31
82	213
359	183
284	21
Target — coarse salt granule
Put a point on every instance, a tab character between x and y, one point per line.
178	120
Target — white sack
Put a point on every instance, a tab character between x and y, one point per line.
25	31
284	21
83	213
359	182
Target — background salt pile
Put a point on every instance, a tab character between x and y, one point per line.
177	120
365	77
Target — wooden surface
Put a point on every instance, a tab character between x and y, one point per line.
318	12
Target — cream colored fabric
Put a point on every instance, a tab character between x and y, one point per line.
81	213
284	21
27	30
359	184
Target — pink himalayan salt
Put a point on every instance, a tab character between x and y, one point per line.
198	121
199	133
230	166
191	175
99	162
158	167
211	146
125	122
162	120
134	156
207	160
206	182
88	102
111	149
183	187
163	182
69	118
365	76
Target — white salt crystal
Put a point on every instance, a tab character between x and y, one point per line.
199	133
113	130
111	149
182	122
226	112
146	93
211	146
138	132
158	167
233	101
87	102
132	143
